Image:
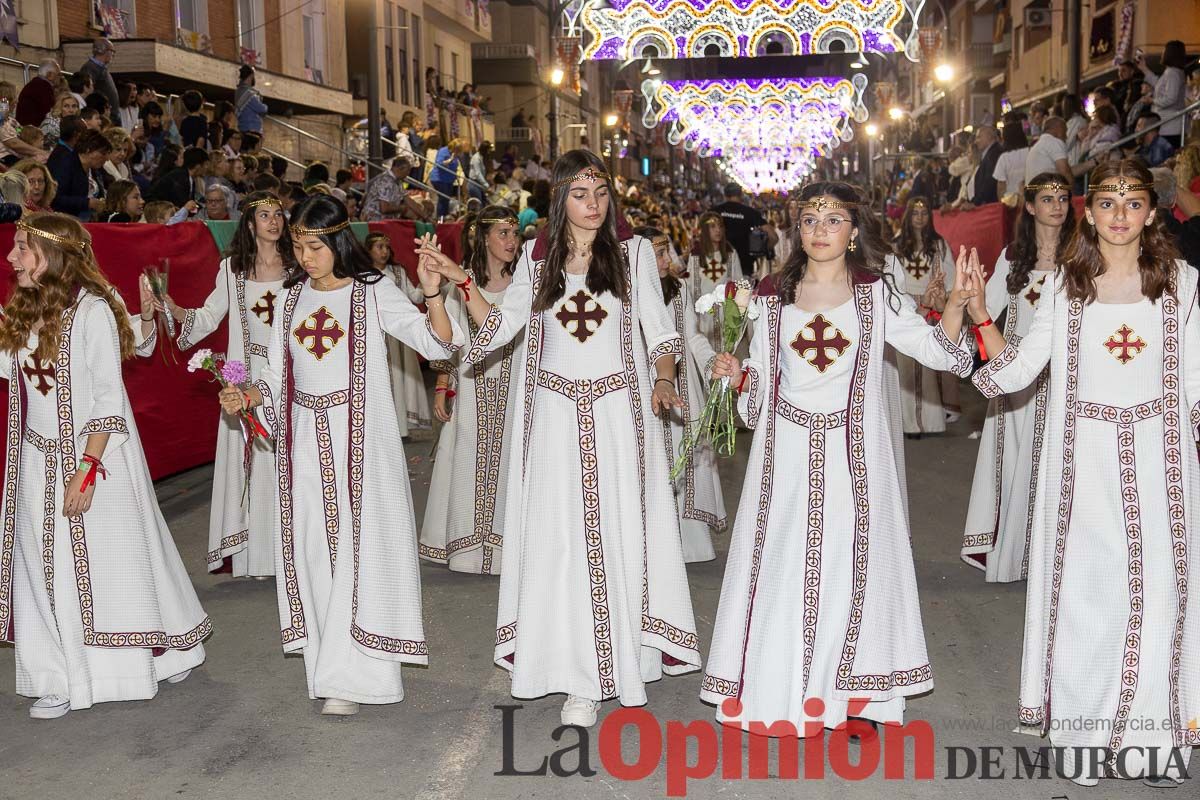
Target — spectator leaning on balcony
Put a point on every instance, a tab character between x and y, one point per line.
37	98
97	67
249	107
386	197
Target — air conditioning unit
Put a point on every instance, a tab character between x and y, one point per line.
1037	18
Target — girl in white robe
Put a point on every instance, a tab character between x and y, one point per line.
408	384
1112	647
713	260
594	598
698	488
819	599
341	477
464	515
92	590
922	261
247	291
1000	516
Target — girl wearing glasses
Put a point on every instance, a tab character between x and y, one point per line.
819	602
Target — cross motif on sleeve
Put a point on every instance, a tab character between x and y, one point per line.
315	330
578	322
39	373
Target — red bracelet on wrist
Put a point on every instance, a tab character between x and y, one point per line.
94	466
465	287
742	383
984	324
451	394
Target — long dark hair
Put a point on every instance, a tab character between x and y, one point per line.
705	240
1082	261
609	269
350	258
1022	253
867	258
1013	137
671	286
243	248
912	243
475	254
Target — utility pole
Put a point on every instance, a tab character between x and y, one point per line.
374	139
1074	44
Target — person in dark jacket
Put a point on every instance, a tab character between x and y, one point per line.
79	152
97	67
988	145
182	183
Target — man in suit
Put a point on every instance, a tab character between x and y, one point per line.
987	142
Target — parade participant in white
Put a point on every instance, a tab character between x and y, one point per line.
1000	517
1112	648
698	489
819	598
713	260
249	284
594	598
408	384
95	598
923	268
342	479
463	523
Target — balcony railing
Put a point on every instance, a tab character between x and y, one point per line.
514	134
496	51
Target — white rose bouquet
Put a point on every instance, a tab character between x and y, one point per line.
716	426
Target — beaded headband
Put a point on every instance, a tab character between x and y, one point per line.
73	244
489	221
264	201
919	204
299	231
1048	186
1121	187
590	174
819	204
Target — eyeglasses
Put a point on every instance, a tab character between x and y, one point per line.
809	224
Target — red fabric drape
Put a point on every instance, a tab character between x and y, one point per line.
987	228
176	411
403	233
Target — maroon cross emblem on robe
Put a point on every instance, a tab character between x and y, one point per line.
315	330
40	373
1032	295
578	322
265	308
1127	342
819	344
917	268
713	269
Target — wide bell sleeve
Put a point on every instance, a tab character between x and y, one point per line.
750	400
510	317
402	320
658	328
102	366
996	293
1191	356
697	342
1016	366
448	365
912	335
200	322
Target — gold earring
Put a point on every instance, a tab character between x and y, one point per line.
852	246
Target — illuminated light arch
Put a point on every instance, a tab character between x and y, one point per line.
702	37
659	37
760	39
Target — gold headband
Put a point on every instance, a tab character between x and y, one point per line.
919	204
73	244
1121	187
590	174
1048	186
264	201
819	204
496	220
300	231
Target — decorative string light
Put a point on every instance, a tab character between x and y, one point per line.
635	29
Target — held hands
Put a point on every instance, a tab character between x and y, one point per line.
969	285
151	303
76	502
429	252
429	266
726	365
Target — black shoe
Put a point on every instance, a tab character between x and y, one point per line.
1160	782
856	736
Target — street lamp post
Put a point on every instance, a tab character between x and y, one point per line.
556	79
943	74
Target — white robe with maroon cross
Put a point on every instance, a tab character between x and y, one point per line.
1000	516
704	273
594	597
99	605
408	384
349	586
464	515
240	519
1112	632
819	598
925	394
698	488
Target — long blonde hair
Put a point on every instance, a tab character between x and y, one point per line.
70	266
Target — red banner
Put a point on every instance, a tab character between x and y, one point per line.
176	411
988	229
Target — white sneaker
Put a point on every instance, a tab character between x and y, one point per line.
180	678
579	711
52	706
339	708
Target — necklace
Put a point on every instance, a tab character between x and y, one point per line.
581	251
